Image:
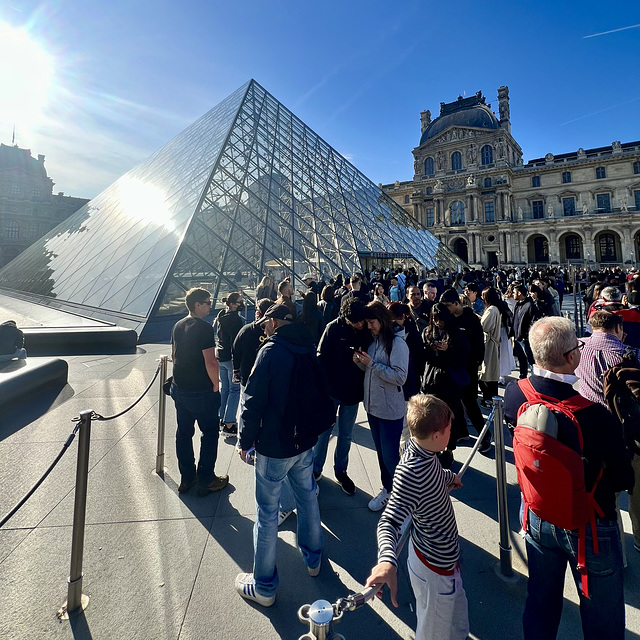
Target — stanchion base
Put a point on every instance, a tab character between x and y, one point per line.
160	473
514	577
63	614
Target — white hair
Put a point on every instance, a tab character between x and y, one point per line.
611	294
550	338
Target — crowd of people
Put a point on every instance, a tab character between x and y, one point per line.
424	354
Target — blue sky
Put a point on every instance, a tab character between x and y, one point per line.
126	76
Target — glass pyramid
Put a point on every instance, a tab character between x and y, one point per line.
246	190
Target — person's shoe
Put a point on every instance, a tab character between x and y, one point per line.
380	501
229	429
486	404
345	482
485	445
316	571
446	459
246	587
317	475
185	486
463	439
283	515
218	483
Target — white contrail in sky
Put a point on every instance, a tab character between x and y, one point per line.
588	115
604	33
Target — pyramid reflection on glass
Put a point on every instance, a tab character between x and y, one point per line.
246	190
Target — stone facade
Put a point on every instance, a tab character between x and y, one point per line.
28	207
473	191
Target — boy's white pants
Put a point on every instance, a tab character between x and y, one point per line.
441	603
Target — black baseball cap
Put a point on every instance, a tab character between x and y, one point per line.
277	312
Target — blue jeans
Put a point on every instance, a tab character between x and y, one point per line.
386	437
200	406
270	474
346	420
549	548
229	393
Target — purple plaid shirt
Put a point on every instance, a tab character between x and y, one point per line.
601	352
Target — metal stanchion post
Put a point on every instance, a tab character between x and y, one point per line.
162	408
501	483
75	598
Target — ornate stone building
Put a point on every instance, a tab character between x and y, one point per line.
28	208
473	191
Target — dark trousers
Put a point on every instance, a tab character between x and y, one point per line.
470	403
522	351
489	390
386	438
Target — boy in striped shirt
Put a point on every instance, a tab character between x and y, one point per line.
421	490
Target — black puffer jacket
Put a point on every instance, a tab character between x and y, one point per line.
267	393
226	326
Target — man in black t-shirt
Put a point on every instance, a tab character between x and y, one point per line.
196	393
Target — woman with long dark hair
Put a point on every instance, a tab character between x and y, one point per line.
226	325
386	366
445	375
328	305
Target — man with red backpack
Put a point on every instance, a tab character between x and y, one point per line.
571	460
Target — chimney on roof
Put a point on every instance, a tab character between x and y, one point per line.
40	158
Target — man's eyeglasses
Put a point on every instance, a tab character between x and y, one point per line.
208	302
579	346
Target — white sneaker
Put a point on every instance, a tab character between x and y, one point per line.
283	515
315	571
380	501
246	587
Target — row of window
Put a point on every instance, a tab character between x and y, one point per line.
32	230
17	190
486	157
601	172
607	248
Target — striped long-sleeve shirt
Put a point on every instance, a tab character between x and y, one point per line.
420	490
601	352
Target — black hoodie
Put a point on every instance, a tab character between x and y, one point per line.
227	325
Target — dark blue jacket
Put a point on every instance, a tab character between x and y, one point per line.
267	392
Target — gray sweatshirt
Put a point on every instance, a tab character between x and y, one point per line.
384	377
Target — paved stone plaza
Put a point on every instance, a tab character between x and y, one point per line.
159	565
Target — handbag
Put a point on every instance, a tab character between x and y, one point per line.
166	387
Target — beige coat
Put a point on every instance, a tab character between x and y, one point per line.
491	322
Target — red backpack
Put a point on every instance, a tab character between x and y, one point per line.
550	473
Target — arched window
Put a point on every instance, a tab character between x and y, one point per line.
428	167
456	161
486	153
487	183
607	243
457	213
572	247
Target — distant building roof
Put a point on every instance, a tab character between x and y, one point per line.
13	157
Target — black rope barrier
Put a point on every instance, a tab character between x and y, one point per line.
67	444
97	416
64	449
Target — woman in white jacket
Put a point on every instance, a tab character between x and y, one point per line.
386	365
491	322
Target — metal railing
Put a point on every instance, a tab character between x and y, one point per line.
76	600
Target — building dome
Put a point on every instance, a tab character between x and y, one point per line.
470	112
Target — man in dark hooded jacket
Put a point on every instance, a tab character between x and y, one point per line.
278	455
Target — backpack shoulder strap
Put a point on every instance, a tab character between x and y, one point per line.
576	403
529	392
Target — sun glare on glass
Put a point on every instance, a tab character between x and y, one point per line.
26	74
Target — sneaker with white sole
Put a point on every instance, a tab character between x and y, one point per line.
246	587
316	571
380	501
283	515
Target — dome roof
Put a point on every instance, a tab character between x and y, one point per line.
478	116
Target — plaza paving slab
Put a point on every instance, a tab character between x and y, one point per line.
160	565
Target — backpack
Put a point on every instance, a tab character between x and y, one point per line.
621	386
550	473
309	410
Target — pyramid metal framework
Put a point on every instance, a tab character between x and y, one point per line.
246	190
